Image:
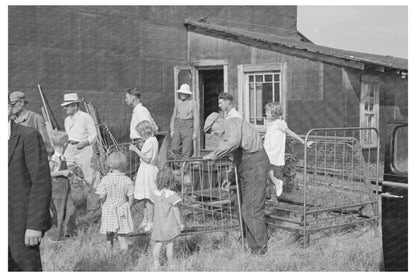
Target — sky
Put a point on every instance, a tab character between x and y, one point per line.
370	29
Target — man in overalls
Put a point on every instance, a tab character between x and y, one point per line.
242	139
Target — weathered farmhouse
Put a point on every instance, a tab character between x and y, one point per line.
255	53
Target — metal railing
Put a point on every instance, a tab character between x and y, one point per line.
210	195
333	186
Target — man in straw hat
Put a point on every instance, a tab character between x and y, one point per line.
241	138
29	192
23	116
184	125
82	135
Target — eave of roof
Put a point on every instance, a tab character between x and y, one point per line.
295	47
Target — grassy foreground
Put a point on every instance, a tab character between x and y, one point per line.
353	249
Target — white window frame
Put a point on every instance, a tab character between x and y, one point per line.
243	86
366	83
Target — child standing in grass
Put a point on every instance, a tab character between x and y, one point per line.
116	192
275	143
146	175
167	220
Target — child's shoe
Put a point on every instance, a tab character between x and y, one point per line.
148	227
143	224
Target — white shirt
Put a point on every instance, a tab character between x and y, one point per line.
233	113
275	142
140	113
80	126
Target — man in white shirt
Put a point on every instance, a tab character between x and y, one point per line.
140	112
82	135
225	102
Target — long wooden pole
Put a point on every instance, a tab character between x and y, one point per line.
45	106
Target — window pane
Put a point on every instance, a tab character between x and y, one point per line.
364	92
276	77
371	91
277	92
259	104
267	96
263	88
251	106
371	107
367	137
370	121
401	149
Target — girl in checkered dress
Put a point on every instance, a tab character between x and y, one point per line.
116	192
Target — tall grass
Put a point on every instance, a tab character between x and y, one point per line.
353	249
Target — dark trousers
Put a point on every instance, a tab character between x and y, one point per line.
64	207
24	258
182	136
252	171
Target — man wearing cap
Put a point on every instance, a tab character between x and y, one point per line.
29	195
23	116
184	125
242	139
82	135
225	102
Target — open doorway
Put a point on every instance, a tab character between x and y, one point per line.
207	79
211	84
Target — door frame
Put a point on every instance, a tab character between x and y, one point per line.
194	67
201	65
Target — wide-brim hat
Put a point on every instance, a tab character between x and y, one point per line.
210	121
58	138
185	89
70	98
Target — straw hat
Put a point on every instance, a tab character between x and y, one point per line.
70	98
185	89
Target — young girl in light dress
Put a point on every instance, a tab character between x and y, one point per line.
167	220
275	143
116	192
146	175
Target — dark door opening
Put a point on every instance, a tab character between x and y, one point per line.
211	83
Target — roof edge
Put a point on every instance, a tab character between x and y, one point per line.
300	49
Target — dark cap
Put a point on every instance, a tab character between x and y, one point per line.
16	96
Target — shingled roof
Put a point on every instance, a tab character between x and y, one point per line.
301	49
